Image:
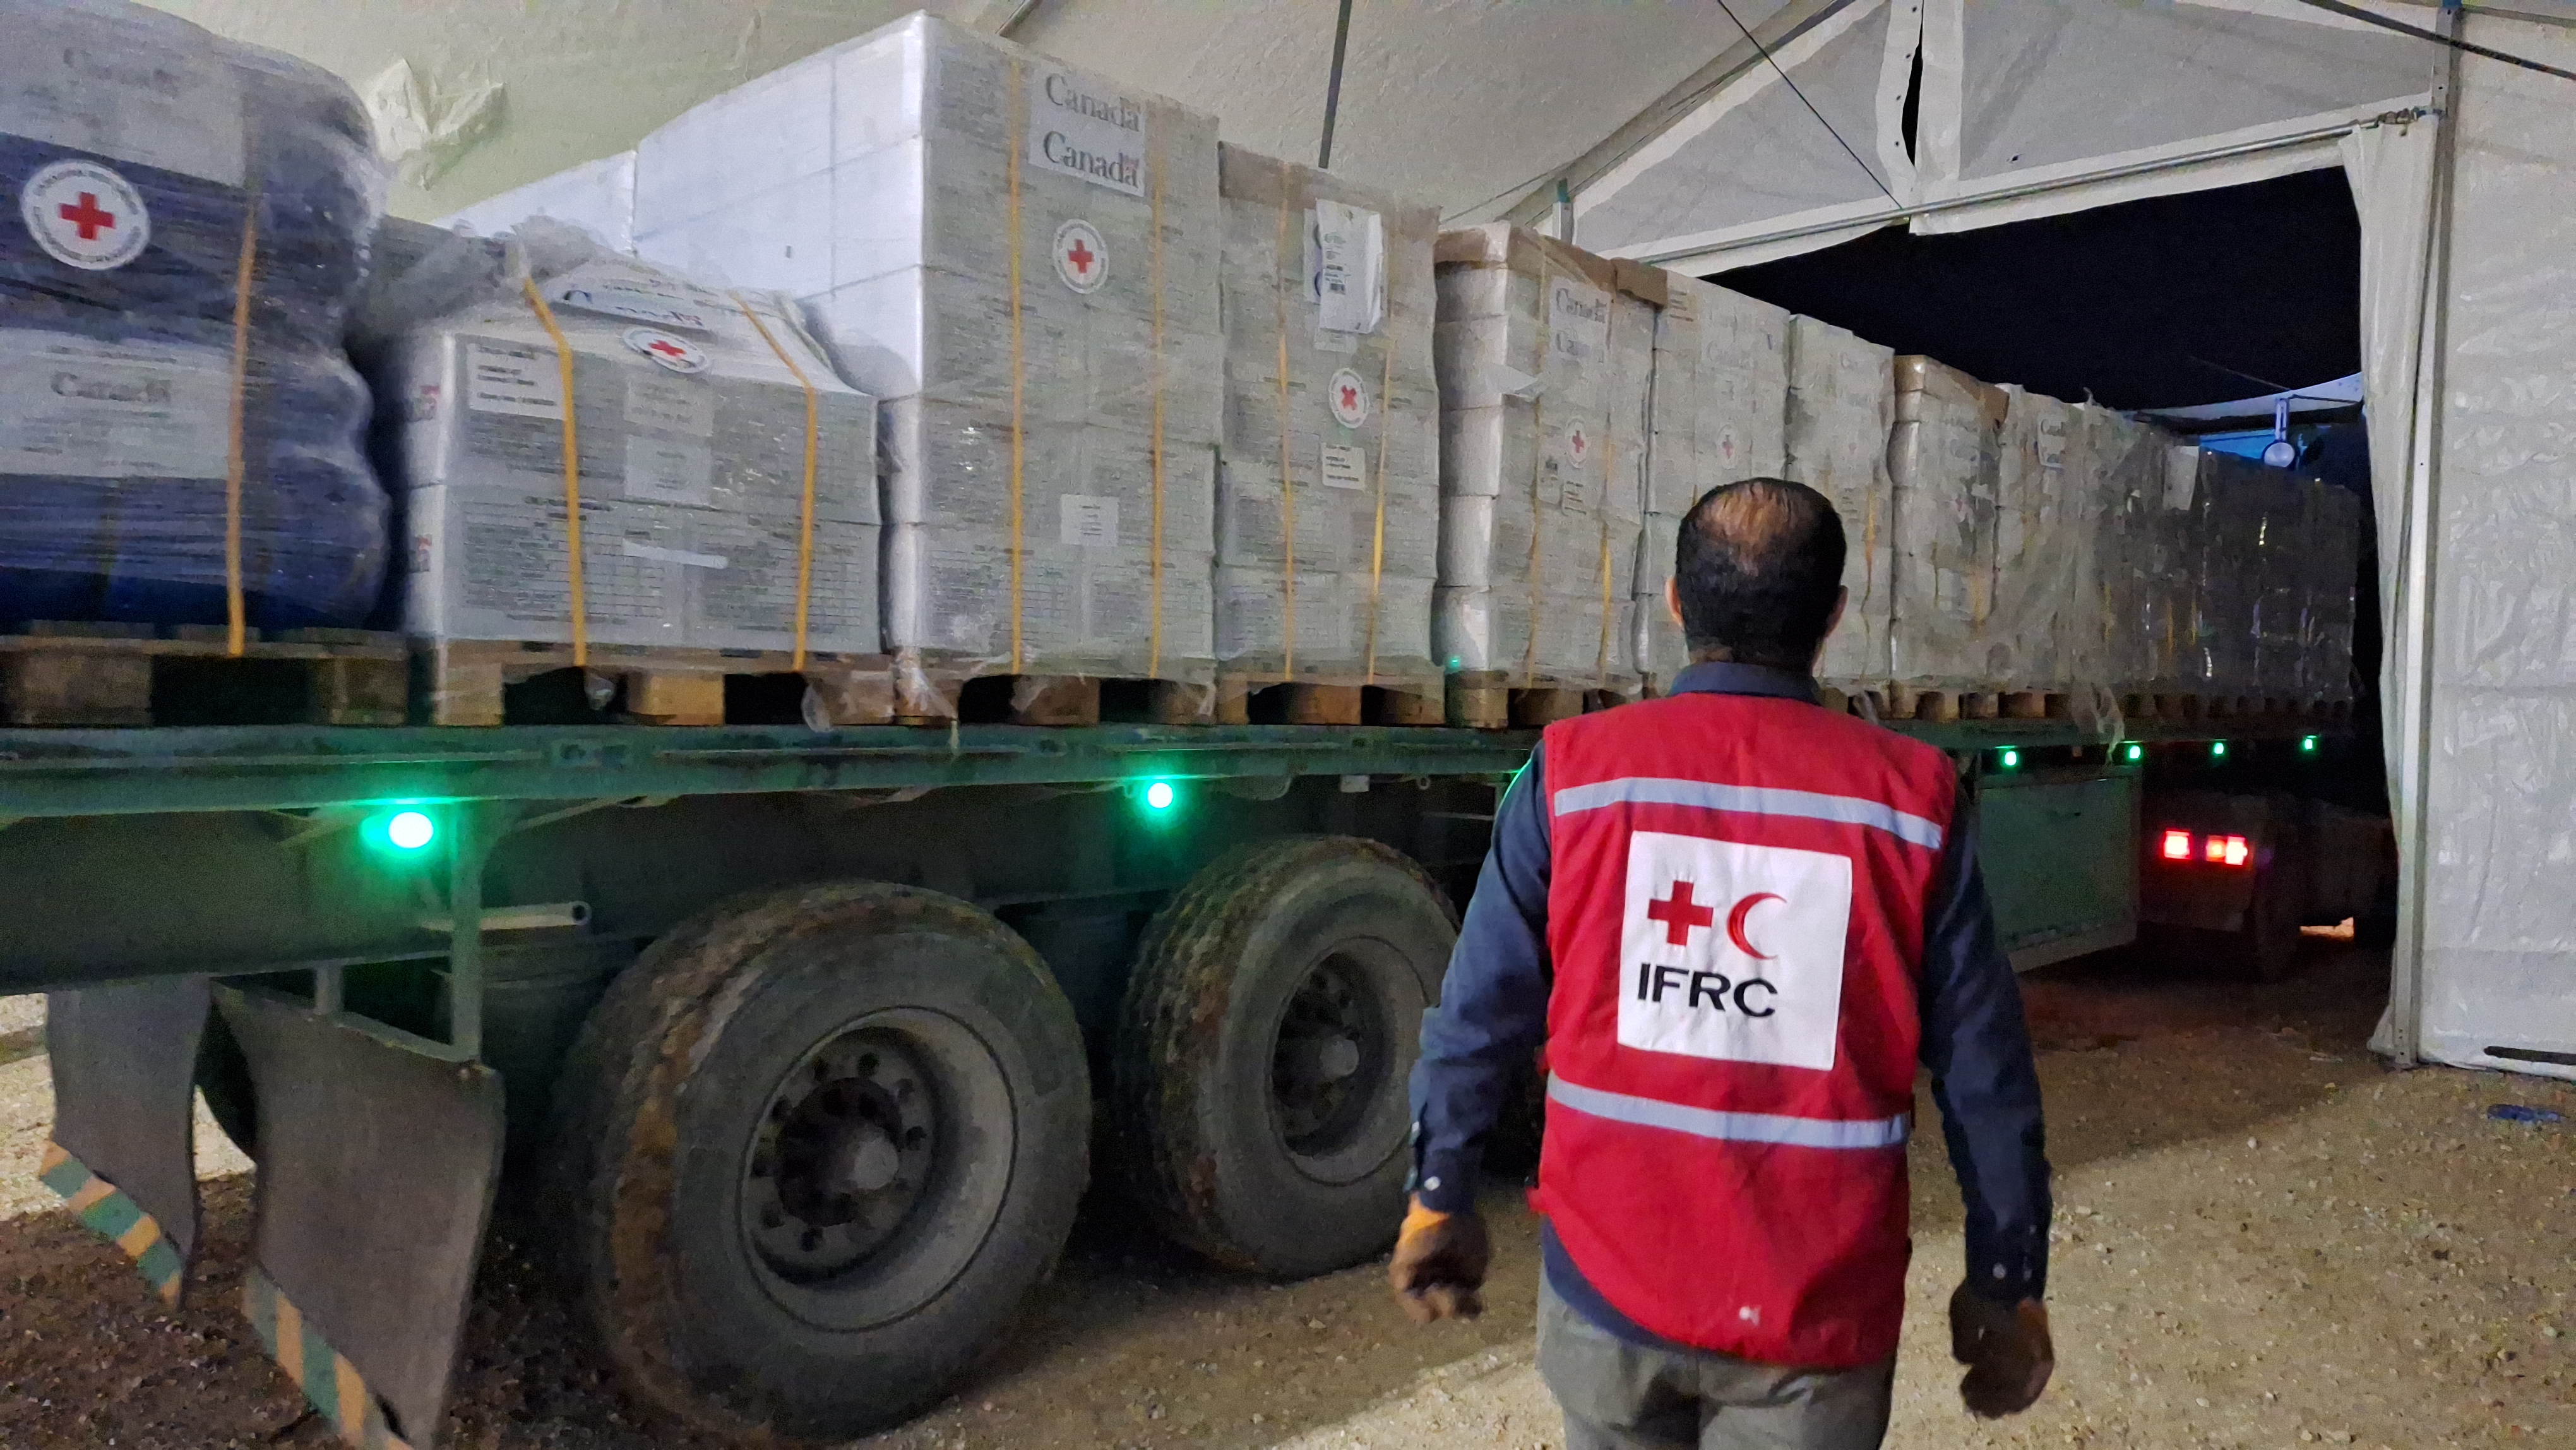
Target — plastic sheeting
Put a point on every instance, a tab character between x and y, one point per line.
2499	923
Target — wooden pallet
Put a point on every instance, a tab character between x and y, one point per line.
494	682
1488	700
70	673
1257	698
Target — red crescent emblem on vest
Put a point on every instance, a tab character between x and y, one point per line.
1735	923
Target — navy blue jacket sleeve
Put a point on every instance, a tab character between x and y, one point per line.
1493	1003
1978	1050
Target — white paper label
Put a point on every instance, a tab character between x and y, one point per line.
1083	130
1088	520
1578	321
522	382
121	90
1345	466
623	289
670	405
1733	952
76	407
668	471
659	554
1348	272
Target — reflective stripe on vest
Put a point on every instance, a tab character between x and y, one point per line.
1752	799
1846	1133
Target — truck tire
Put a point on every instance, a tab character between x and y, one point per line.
2266	947
1259	1072
812	1152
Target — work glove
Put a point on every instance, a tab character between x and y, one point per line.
1439	1265
2006	1349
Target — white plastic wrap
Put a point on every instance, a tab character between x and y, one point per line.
1945	454
1544	355
2499	923
1721	394
1842	404
1021	258
1328	513
2046	509
596	196
692	430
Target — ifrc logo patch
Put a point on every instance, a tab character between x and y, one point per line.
1733	952
85	215
1080	257
676	353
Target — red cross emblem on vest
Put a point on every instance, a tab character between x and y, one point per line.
1680	914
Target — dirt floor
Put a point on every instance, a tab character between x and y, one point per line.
2264	1239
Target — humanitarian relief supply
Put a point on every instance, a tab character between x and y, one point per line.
1841	404
1328	491
180	435
725	494
2046	508
1545	355
1945	455
1020	257
596	196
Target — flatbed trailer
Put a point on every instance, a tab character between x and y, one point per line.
796	1049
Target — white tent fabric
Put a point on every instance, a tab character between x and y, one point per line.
2499	924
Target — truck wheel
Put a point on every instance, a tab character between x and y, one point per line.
1259	1074
2266	947
813	1151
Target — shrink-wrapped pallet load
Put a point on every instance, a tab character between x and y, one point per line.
2045	513
2179	619
725	493
180	433
1020	258
1328	492
2114	643
1544	356
1841	406
1945	456
2334	564
1719	415
596	196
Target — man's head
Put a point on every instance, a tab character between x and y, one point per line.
1758	576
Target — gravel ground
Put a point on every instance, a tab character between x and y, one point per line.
2264	1240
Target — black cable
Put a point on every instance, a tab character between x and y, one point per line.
1333	87
2355	12
1765	52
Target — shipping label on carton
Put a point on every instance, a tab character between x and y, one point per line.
1081	129
1346	268
76	407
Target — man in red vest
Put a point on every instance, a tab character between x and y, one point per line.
1734	922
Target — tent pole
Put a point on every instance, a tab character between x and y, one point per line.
1333	87
2414	737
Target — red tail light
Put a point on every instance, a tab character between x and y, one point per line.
2214	850
2238	851
2177	845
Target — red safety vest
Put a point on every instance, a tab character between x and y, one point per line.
1735	914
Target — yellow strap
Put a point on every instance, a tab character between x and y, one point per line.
1377	540
1287	487
572	476
1017	110
1609	472
1154	161
236	462
813	444
1538	464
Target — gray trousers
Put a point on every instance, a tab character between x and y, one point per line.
1621	1396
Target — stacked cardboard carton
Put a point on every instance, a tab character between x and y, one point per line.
1720	411
2045	508
1842	402
1945	455
1021	258
689	410
1328	495
1544	356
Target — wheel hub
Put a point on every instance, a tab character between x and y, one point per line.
846	1146
1331	1047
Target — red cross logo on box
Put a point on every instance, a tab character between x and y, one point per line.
1349	398
678	354
85	215
1578	445
1081	259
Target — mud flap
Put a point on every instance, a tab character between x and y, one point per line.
124	1063
379	1152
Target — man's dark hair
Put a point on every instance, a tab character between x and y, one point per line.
1757	570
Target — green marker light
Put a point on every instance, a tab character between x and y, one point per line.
2218	750
2012	760
2307	745
409	830
2136	752
1160	795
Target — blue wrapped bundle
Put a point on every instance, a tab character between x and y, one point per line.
140	150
